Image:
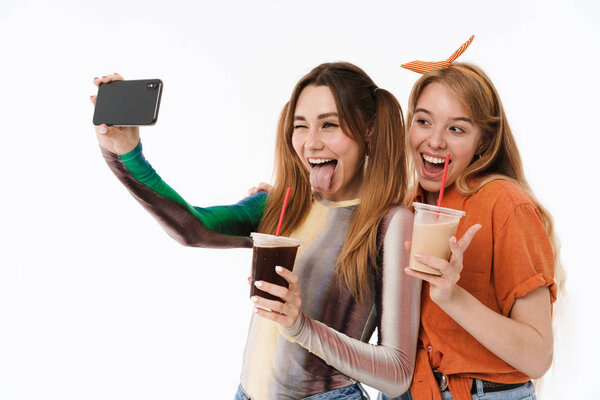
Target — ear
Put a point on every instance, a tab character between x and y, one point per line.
482	146
370	133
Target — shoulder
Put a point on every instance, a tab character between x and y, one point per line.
398	215
503	199
397	222
504	192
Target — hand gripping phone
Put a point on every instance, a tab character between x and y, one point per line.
128	103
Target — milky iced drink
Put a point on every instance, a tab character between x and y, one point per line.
270	251
432	228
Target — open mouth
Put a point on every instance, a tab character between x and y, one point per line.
321	173
433	165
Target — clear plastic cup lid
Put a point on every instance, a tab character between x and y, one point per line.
436	209
266	240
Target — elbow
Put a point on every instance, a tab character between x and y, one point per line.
402	382
540	363
542	366
180	236
398	390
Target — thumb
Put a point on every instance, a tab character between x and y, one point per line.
102	129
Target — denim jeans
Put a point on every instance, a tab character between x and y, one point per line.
525	392
352	392
405	396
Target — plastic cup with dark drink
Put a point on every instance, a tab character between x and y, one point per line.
270	251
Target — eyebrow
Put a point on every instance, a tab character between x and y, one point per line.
320	116
469	120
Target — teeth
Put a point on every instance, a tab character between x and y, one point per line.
319	160
434	160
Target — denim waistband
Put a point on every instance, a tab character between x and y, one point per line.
352	392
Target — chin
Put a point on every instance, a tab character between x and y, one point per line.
430	186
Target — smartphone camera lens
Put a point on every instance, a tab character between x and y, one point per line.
152	85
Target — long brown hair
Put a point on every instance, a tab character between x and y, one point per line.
499	156
373	118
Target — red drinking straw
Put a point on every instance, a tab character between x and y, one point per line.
439	203
285	201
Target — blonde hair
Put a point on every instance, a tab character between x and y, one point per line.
499	156
373	118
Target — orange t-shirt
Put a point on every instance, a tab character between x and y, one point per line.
509	256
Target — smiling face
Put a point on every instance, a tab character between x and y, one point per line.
440	126
333	158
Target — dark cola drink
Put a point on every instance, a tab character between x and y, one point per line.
268	252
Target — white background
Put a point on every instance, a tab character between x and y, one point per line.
97	302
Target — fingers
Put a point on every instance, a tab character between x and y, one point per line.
102	129
288	275
465	240
93	100
107	78
447	269
262	187
285	313
285	321
273	305
456	251
275	290
407	245
265	187
431	261
434	280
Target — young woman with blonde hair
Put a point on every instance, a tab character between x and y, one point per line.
340	148
486	326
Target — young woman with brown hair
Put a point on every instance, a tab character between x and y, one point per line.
340	148
486	326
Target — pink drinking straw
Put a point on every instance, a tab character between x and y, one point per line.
439	203
285	202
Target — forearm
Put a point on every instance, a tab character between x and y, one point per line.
384	368
518	343
388	366
227	226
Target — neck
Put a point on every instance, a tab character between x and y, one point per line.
431	197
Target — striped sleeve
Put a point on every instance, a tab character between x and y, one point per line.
217	227
389	365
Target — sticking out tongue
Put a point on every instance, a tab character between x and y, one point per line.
320	176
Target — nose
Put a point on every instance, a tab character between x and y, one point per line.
437	139
313	140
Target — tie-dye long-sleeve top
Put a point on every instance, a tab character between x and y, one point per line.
327	348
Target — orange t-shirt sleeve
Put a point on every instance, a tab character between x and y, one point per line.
523	257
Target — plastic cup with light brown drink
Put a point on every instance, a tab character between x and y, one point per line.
433	227
270	251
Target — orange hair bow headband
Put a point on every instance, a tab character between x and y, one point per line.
423	67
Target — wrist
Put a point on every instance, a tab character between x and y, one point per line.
452	300
293	331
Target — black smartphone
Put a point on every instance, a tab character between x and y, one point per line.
128	103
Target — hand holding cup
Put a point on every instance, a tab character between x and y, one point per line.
442	287
284	313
